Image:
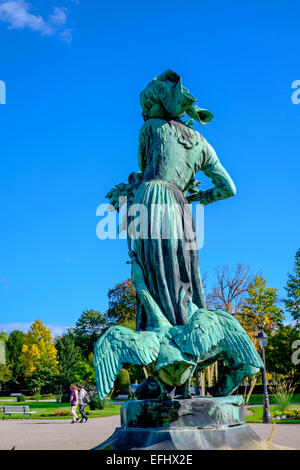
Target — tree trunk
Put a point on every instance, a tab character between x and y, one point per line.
203	383
216	371
253	382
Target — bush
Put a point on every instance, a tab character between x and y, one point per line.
293	413
122	383
97	404
21	398
290	413
60	413
56	413
283	394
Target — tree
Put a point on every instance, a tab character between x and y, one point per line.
5	374
13	352
230	289
84	372
3	337
259	311
3	341
88	328
122	303
68	355
292	302
122	382
39	356
279	352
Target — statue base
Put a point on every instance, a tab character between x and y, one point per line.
200	423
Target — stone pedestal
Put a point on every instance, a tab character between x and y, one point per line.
199	423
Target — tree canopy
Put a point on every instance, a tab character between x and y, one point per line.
122	303
279	352
292	301
260	310
3	336
5	374
230	288
68	356
13	352
84	372
38	358
88	328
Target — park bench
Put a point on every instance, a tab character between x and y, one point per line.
122	397
12	410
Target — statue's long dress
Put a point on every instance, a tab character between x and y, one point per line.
170	154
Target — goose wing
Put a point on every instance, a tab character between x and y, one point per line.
236	342
117	346
200	334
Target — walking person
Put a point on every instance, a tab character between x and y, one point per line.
83	401
74	402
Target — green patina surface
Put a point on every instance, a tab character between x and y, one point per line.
199	413
175	331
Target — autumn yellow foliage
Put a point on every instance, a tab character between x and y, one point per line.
260	310
38	352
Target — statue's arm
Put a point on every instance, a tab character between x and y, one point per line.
223	188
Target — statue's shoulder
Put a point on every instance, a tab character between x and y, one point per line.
186	135
153	124
160	128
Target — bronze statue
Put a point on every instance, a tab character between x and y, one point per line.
174	329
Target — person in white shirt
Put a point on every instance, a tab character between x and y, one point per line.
83	401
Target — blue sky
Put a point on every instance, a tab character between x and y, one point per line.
73	72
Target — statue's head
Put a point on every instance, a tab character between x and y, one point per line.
166	98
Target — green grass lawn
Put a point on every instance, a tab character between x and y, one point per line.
44	410
259	400
258	414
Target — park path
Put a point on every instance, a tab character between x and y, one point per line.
61	435
55	434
